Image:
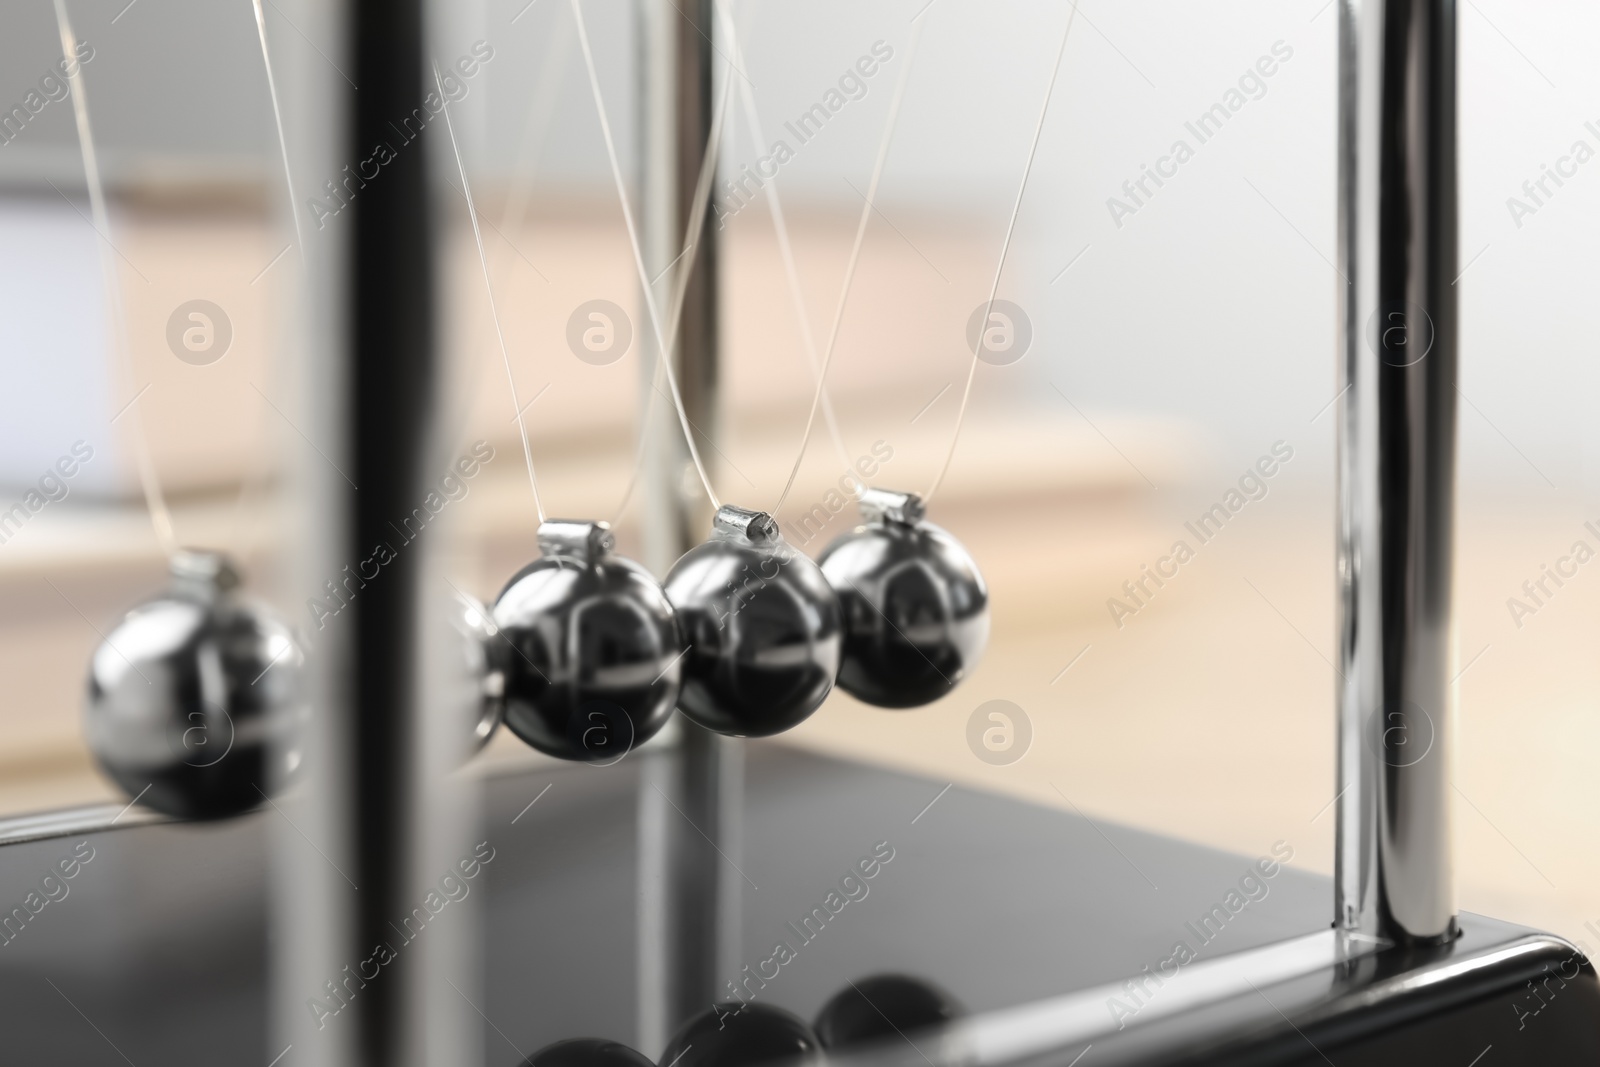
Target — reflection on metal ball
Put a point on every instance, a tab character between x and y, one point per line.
743	1035
881	1008
586	1052
762	625
591	651
483	669
194	698
916	610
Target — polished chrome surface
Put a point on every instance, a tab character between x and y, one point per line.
481	670
916	610
741	524
72	822
1397	449
573	537
677	106
382	810
892	505
194	697
590	651
763	629
689	817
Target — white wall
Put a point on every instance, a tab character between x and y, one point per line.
1213	304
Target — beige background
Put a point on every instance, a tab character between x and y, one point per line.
1208	715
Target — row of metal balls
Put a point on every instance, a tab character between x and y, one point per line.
869	1012
584	655
746	636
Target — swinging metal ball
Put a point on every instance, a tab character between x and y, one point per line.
591	651
916	610
762	625
743	1035
194	699
587	1052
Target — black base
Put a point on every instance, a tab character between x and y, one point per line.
158	952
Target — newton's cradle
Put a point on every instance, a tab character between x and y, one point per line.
609	923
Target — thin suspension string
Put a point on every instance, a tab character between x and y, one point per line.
686	259
257	476
555	61
638	256
785	249
277	118
494	309
155	501
535	126
1005	249
531	141
855	253
639	449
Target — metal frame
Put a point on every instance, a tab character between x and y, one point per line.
364	829
689	907
1397	447
372	365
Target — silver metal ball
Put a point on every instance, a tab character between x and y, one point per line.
482	668
590	648
916	609
194	698
762	625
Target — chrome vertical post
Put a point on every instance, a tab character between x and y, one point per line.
690	790
360	832
1397	457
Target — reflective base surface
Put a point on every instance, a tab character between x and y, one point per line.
161	938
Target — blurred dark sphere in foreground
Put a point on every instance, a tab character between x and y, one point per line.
743	1035
884	1006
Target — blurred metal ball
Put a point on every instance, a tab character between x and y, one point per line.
592	654
744	1034
586	1052
916	609
482	667
884	1007
762	625
194	699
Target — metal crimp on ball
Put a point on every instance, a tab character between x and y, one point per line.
590	649
916	610
196	697
762	625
